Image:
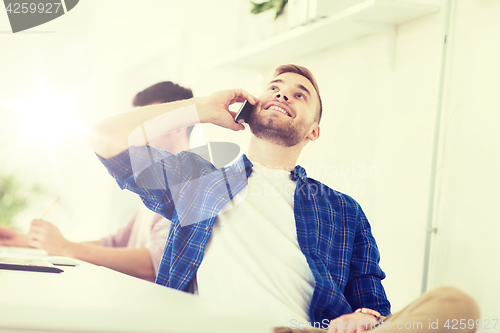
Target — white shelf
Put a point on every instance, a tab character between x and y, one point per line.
365	18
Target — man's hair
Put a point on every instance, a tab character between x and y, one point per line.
163	92
308	75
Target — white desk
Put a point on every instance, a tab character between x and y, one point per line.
90	298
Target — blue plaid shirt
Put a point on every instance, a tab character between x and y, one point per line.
332	230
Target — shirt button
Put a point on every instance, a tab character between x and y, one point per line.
192	267
207	228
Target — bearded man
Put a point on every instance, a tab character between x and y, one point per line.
304	255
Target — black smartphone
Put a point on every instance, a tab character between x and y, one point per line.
244	113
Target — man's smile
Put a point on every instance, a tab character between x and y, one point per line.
276	107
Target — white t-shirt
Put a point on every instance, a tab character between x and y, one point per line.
253	260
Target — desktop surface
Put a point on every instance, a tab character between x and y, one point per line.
89	298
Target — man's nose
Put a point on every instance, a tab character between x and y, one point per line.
278	96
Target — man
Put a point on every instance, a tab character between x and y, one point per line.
306	256
136	249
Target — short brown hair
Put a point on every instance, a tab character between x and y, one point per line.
163	92
308	75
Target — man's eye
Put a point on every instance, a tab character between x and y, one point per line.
299	95
274	88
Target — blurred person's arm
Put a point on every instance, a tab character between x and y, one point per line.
10	236
114	135
135	262
96	242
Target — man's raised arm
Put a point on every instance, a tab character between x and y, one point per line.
135	128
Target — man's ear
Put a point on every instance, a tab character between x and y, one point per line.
313	134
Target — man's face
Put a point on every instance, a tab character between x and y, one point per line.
286	110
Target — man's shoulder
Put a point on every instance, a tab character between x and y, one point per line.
183	161
334	205
333	196
195	159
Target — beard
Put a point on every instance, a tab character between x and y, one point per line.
277	131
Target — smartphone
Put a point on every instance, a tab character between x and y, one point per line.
244	113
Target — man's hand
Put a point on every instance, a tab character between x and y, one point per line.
12	237
214	108
44	235
352	323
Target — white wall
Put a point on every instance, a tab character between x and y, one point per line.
377	119
466	249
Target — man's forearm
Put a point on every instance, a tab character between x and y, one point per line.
113	135
135	262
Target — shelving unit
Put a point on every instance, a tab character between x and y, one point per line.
367	17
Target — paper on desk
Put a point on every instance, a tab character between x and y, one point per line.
22	252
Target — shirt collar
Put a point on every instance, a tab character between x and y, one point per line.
298	172
243	163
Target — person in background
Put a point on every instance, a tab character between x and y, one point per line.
137	248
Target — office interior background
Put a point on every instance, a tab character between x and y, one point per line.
409	127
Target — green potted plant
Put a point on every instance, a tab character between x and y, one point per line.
278	5
14	198
266	19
